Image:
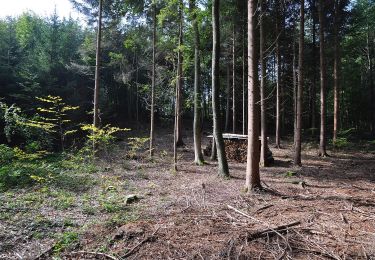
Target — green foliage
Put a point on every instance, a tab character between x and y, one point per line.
7	154
343	137
290	174
104	137
67	240
135	145
54	119
341	142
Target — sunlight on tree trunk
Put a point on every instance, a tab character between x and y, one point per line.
252	167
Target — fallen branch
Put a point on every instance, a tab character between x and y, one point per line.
131	251
94	254
270	229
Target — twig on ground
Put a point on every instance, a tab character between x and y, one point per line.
94	254
269	230
131	251
263	208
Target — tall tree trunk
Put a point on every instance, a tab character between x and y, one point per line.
197	125
222	160
295	87
314	71
152	123
298	129
252	167
323	72
244	79
137	93
278	78
179	77
227	108
175	129
234	95
263	109
370	81
336	72
97	67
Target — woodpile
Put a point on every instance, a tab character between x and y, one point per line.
236	150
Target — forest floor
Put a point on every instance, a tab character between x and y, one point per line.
328	206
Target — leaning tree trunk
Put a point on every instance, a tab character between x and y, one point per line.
221	156
278	83
97	67
263	109
179	78
252	167
323	72
336	72
152	109
197	125
298	129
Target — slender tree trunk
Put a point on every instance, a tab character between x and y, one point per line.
152	124
222	160
175	129
278	83
97	67
298	129
263	109
244	80
323	72
295	87
179	77
336	72
234	96
197	125
370	81
314	71
227	109
252	167
137	93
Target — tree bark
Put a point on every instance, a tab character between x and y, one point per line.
314	64
197	125
323	72
97	67
298	129
234	95
370	81
152	123
263	122
244	80
278	78
222	160
253	151
176	105
336	72
179	77
227	108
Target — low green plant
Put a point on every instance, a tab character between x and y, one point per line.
135	145
290	174
340	142
101	138
67	240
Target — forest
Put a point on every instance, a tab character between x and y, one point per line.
189	129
